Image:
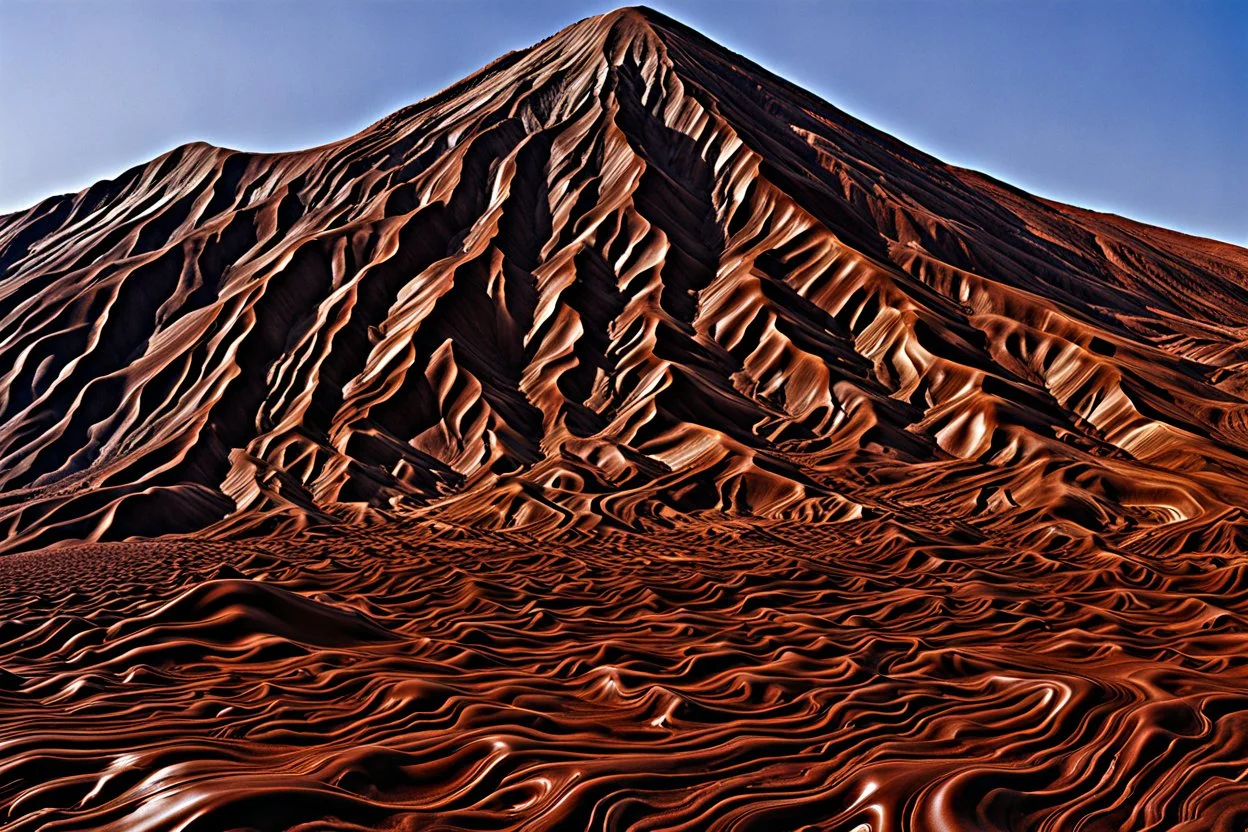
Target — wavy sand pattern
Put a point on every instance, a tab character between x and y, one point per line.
621	438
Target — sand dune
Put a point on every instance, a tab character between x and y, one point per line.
621	438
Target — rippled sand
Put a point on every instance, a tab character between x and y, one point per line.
837	679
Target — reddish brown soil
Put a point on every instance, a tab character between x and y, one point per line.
760	679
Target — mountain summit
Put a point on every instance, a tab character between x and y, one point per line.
621	280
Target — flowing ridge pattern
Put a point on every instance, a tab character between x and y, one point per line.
621	438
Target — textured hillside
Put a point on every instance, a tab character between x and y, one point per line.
620	279
622	438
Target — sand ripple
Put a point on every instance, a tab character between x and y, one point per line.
730	683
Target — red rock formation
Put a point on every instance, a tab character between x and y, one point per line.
621	279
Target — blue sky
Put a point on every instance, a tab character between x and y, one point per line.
1139	107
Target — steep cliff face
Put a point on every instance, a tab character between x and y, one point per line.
623	279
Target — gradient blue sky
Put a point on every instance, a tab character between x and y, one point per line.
1139	107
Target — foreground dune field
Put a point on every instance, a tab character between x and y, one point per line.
758	678
620	438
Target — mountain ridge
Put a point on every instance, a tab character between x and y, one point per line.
662	115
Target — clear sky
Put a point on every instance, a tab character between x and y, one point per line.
1139	107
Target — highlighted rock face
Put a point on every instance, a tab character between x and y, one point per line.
622	438
623	279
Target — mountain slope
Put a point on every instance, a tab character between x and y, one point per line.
623	279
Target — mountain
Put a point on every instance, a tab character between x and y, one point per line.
622	438
623	279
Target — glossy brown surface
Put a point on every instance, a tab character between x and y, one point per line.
621	438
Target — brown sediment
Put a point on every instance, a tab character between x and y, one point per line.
621	438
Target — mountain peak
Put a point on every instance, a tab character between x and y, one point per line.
638	19
633	14
620	279
614	34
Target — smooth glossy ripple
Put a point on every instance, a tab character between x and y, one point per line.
761	680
